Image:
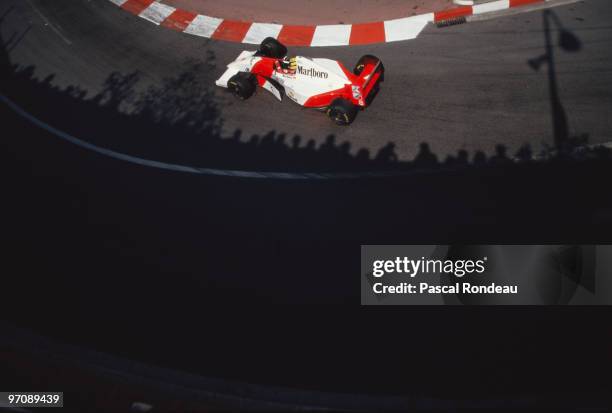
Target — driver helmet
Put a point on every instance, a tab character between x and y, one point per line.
288	65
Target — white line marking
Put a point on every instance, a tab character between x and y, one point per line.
210	171
157	12
48	23
203	26
407	28
192	169
119	2
512	11
259	31
332	35
489	7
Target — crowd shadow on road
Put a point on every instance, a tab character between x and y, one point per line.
179	121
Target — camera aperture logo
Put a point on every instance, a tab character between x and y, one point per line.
412	273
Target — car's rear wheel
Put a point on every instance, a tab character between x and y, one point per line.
270	47
361	63
242	85
342	112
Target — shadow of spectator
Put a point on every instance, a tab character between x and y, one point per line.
425	158
386	154
524	154
500	156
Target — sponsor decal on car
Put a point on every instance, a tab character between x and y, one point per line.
291	95
357	94
312	72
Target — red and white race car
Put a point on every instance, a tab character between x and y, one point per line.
322	84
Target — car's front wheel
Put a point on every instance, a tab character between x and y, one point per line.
242	85
342	112
270	47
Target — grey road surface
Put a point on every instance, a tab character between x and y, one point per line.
463	87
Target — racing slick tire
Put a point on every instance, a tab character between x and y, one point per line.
342	112
270	47
242	85
361	65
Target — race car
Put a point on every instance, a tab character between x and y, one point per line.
322	84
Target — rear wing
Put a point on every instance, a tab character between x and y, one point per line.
370	77
372	74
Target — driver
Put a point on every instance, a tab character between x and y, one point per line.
287	66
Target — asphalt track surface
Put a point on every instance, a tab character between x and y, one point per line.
254	280
466	87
